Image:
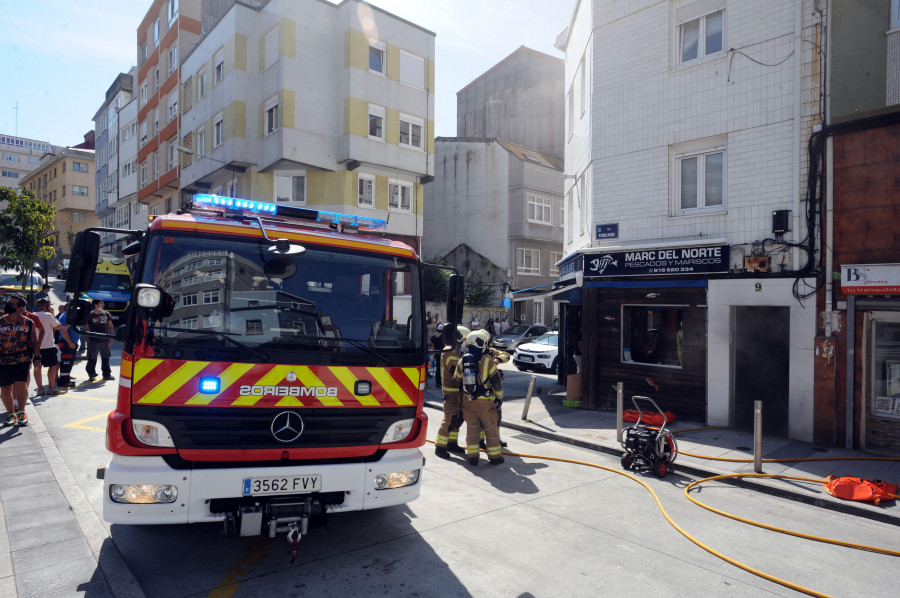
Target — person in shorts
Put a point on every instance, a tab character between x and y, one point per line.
18	346
49	357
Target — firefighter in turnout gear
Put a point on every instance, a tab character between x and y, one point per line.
482	387
447	440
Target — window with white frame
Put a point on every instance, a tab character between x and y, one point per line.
156	82
376	122
400	195
366	190
538	311
376	57
412	69
539	209
173	10
173	58
571	109
156	33
290	188
200	136
79	166
172	154
583	82
218	67
143	174
154	161
271	48
895	14
555	256
190	323
201	85
143	134
211	296
411	131
700	181
271	116
189	299
79	190
570	205
214	275
143	94
528	262
173	106
218	129
700	36
78	216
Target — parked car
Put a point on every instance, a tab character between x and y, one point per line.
516	335
62	269
540	354
11	281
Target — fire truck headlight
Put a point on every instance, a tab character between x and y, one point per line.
143	494
151	433
399	479
398	431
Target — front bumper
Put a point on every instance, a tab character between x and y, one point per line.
198	487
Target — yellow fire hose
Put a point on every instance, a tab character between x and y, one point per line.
714	552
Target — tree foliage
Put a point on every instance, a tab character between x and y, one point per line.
478	293
25	227
436	281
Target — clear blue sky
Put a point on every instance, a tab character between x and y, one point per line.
58	57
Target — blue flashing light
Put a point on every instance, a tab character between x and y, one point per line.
376	224
234	203
261	207
210	385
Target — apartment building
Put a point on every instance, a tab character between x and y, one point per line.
108	158
170	28
66	180
311	104
18	157
495	208
857	369
692	244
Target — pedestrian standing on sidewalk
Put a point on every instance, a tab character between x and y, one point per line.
44	293
447	440
48	349
68	346
18	346
100	321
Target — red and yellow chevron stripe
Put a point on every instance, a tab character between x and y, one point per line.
173	382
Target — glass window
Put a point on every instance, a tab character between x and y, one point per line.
412	69
410	131
366	190
529	261
271	48
376	122
218	130
652	334
539	209
702	37
701	181
271	119
376	57
400	196
290	188
218	68
886	368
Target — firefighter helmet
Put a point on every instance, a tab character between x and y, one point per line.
480	339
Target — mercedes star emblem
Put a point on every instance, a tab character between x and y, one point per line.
287	426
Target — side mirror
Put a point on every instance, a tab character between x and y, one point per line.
82	262
456	297
77	312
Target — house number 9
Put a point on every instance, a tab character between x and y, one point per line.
758	287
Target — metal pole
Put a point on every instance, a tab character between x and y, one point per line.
620	406
757	436
528	398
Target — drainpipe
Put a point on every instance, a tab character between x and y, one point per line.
798	98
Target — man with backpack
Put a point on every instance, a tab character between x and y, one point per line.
482	386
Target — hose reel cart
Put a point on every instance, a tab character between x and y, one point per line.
648	447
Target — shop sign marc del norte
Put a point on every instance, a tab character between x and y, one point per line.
653	262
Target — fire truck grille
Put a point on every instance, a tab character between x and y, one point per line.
230	428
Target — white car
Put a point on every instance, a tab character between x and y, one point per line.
541	353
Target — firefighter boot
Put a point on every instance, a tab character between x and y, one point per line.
454	447
473	460
441	452
497	461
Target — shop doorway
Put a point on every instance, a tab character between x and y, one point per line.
761	366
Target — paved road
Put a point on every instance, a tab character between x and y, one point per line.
530	527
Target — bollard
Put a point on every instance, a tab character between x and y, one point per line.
757	436
620	399
528	398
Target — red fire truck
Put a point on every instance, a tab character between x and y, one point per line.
273	367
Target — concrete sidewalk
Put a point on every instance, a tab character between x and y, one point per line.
700	449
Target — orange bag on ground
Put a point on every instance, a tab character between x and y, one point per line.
653	419
851	488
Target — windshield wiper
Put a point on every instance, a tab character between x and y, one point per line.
224	335
361	344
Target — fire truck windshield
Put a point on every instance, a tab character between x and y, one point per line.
327	305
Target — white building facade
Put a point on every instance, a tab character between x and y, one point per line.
689	244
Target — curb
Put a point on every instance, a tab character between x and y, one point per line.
118	575
848	508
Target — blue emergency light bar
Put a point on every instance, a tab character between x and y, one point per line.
271	209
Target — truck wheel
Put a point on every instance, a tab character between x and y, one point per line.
661	468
